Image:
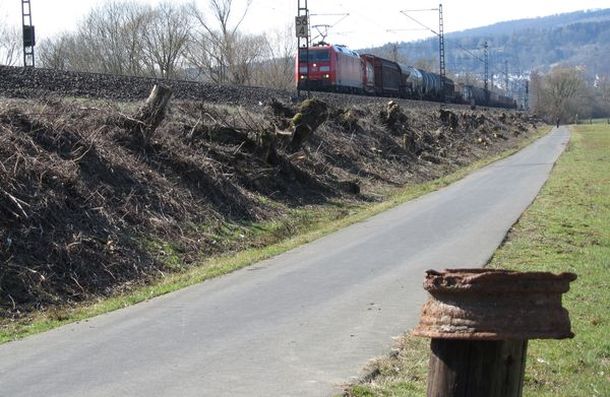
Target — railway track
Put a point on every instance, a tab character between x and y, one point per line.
18	82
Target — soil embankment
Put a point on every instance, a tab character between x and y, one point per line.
88	208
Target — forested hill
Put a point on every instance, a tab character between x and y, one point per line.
576	39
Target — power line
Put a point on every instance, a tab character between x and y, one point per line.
469	52
404	12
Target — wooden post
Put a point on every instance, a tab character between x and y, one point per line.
480	320
464	368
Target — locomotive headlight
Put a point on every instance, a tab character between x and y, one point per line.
327	76
303	77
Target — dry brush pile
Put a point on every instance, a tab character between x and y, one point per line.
87	205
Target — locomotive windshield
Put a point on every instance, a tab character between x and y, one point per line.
315	55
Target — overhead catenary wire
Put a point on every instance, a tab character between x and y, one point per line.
468	51
371	21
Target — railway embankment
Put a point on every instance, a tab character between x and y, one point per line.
88	210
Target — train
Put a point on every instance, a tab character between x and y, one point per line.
336	68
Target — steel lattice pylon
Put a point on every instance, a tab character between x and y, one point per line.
29	37
441	49
486	54
441	41
303	42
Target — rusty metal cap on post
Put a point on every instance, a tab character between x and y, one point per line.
482	304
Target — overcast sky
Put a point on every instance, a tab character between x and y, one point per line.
370	22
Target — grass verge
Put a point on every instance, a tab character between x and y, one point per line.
276	237
567	228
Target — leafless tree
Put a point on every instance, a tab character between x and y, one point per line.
165	39
10	44
124	37
218	48
601	94
246	52
277	70
57	52
562	94
110	37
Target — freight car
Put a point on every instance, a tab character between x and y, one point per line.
473	95
387	76
427	85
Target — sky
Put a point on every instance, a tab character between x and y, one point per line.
369	23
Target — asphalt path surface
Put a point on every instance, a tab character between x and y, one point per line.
302	323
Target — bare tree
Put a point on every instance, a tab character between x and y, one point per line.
562	94
123	38
601	92
10	44
563	86
215	44
245	53
58	52
277	70
165	39
110	38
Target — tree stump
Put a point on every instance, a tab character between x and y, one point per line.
149	117
311	114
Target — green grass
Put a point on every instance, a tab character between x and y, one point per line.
594	121
268	239
567	228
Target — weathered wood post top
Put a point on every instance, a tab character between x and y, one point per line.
480	320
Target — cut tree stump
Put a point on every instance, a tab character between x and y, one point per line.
149	117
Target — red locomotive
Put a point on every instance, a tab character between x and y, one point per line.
331	68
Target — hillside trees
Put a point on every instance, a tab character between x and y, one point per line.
389	51
564	93
123	38
174	41
561	94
